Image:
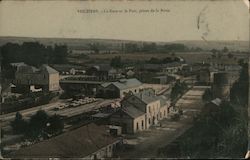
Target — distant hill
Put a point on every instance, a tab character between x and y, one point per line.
73	43
81	44
208	45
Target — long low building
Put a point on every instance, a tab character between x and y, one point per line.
91	141
119	89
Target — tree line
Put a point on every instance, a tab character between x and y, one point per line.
40	125
33	53
153	47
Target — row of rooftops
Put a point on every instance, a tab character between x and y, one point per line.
24	68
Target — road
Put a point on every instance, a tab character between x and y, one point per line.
146	144
30	111
6	118
69	112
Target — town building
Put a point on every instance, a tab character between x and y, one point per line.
91	141
172	68
130	73
28	77
204	77
129	118
119	89
104	72
140	111
165	79
225	64
221	85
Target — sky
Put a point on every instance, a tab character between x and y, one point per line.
175	20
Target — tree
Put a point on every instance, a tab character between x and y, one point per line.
173	54
37	124
130	47
167	60
230	55
177	90
225	50
95	47
219	55
60	54
149	47
154	60
33	53
54	125
19	125
116	62
239	91
214	55
214	51
207	96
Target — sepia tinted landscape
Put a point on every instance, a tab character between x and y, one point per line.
124	98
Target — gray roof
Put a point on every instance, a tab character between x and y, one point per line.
124	83
146	96
163	100
26	69
132	111
50	69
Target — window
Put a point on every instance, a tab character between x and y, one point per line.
149	120
142	125
137	126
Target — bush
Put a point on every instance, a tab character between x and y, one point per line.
19	125
54	125
39	125
175	117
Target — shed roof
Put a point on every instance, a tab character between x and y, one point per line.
147	96
49	69
18	64
124	83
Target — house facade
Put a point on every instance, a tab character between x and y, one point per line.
130	119
45	78
140	111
